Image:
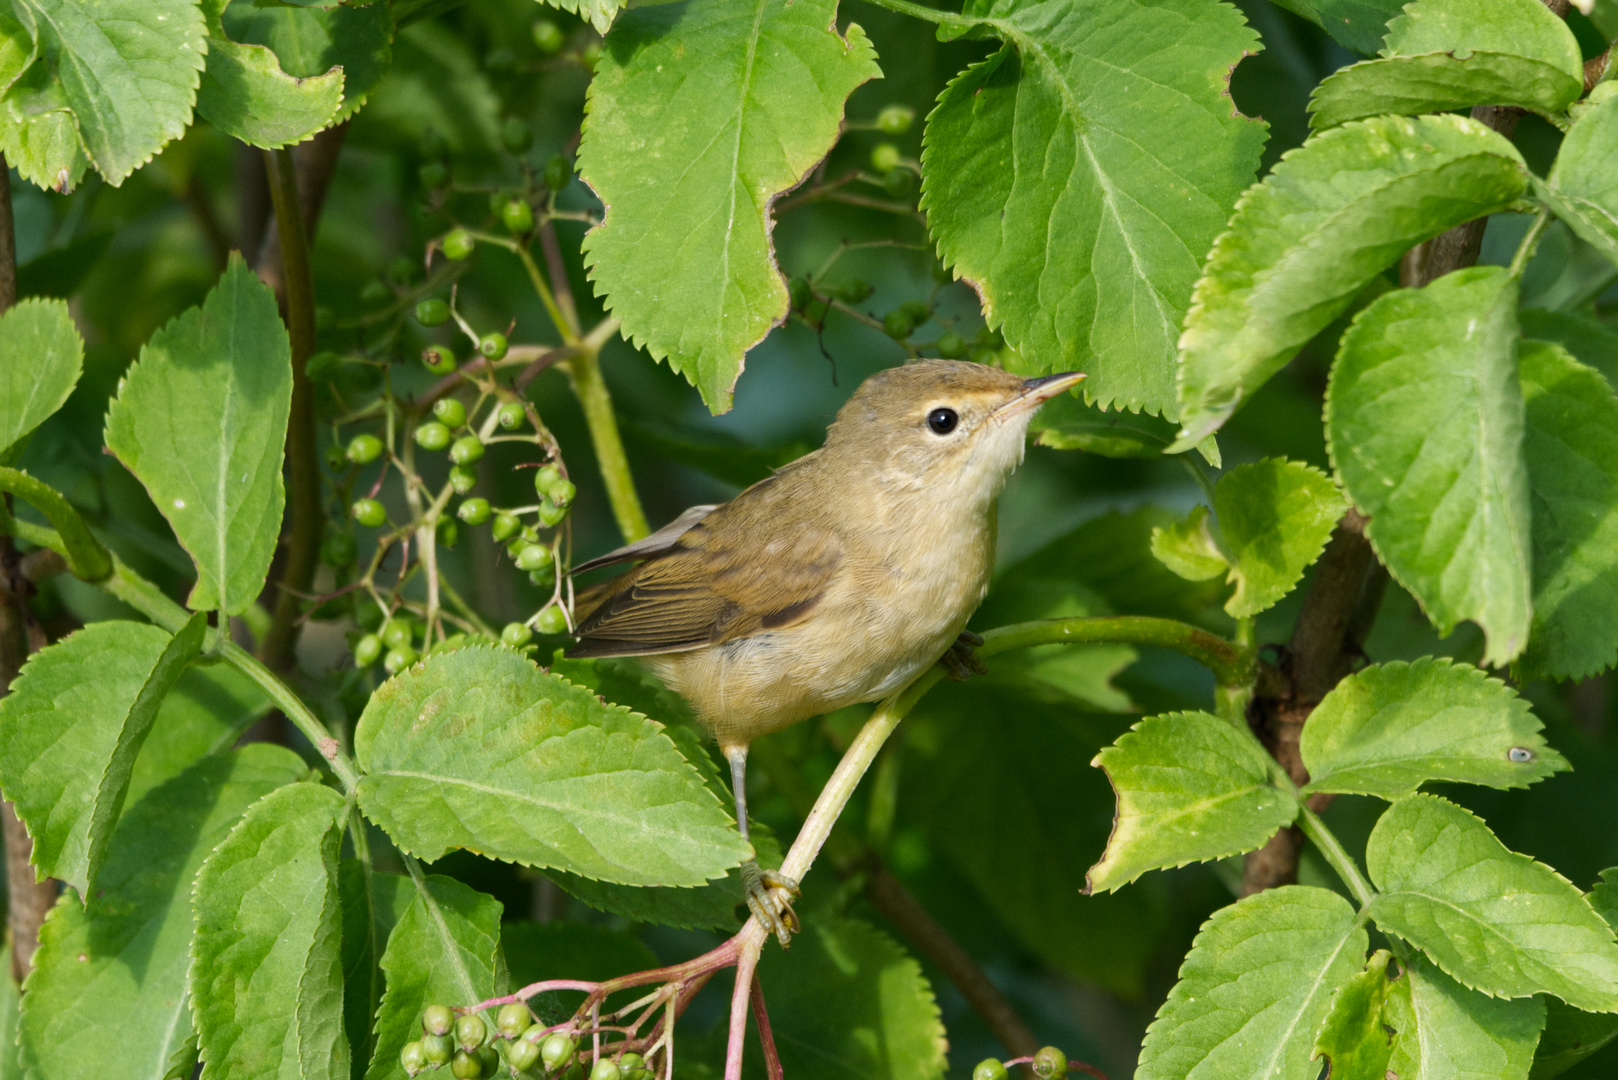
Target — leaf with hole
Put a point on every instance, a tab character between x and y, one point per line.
308	43
245	94
1331	215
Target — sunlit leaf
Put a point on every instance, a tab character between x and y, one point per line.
1442	1029
1590	341
1188	547
38	134
1571	1035
1275	517
40	359
309	42
1353	1040
245	94
1581	186
204	713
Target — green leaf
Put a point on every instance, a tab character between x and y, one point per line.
1590	341
1443	1030
1353	1039
1188	547
1355	24
444	950
849	1002
700	114
1256	986
205	713
1571	443
129	71
109	979
70	730
245	94
1494	920
266	974
1275	517
38	134
1078	176
17	49
480	749
310	42
40	360
10	1015
434	84
1453	54
1332	215
1190	788
598	13
373	902
200	420
1390	728
1424	417
1571	1035
1581	187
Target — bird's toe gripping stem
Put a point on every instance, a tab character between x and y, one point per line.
769	897
960	661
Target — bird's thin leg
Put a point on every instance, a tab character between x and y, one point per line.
769	894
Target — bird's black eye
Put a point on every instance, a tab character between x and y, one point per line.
942	421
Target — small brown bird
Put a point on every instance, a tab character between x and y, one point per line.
836	580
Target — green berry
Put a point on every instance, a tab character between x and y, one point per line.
512	1020
439	359
505	526
606	1069
375	293
370	513
521	1055
550	515
630	1061
557	1049
438	1048
397	660
563	492
885	158
466	1066
553	620
517	216
462	479
338	550
413	1057
450	412
322	366
335	458
545	478
558	173
370	618
548	37
367	650
918	310
493	345
534	557
449	531
467	450
438	1019
516	635
398	633
899	183
516	136
854	292
458	244
470	1031
511	415
473	511
1050	1063
433	175
432	436
489	1058
364	449
530	535
898	324
432	312
951	346
895	119
989	1069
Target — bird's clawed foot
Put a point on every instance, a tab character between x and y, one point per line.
960	661
769	897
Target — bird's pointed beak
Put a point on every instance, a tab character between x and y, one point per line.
1035	392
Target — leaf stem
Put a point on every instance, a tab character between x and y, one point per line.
1340	860
584	369
927	14
1530	241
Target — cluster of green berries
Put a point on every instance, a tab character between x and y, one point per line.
1048	1064
473	1050
394	643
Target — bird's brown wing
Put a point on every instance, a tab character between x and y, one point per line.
719	581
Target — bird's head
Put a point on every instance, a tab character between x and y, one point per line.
946	426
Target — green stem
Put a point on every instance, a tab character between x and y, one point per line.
543	288
85	556
591	388
927	14
1231	665
1340	860
304	512
1530	241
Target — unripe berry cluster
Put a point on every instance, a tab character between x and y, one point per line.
474	1049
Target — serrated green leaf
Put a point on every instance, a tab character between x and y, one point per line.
245	94
1188	547
70	730
1078	176
1443	1031
1424	421
109	979
444	950
480	749
1353	1040
266	971
310	42
849	1002
1275	517
1190	788
17	48
1255	988
1581	187
1571	1035
700	114
598	13
1453	54
38	134
1355	24
1494	920
372	902
1589	341
129	71
1392	727
1571	443
200	420
205	712
40	360
1332	215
